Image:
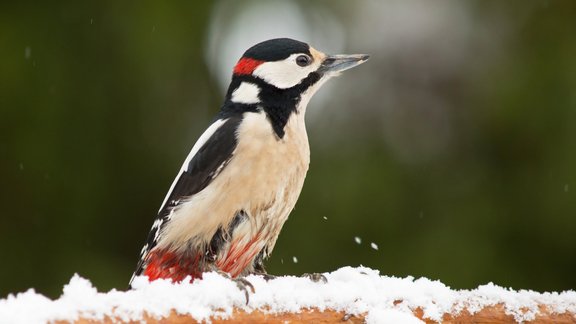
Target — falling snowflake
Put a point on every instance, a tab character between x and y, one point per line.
374	246
295	259
358	240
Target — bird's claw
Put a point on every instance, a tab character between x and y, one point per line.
244	285
316	277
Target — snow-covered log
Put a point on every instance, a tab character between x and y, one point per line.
356	295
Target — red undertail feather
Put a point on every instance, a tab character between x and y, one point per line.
169	265
239	256
164	264
246	66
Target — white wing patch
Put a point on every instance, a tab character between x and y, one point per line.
201	141
246	93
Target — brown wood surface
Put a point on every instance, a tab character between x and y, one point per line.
496	314
493	314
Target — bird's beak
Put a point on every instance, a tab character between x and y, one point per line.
341	62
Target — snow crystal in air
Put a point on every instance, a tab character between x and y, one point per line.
357	239
294	259
374	246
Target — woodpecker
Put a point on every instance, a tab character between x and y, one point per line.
226	207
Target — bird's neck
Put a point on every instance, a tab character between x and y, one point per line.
249	94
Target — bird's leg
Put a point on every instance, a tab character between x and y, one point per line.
261	271
242	284
316	277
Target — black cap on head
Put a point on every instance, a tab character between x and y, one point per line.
276	49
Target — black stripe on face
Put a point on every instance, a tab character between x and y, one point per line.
276	49
279	104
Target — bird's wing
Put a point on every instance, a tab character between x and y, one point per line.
206	160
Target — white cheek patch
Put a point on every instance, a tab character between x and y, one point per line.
246	93
284	74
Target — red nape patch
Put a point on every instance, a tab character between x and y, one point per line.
246	66
169	265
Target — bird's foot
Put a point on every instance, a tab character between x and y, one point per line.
264	275
316	277
268	277
242	283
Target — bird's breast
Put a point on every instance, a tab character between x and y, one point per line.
264	179
267	156
270	178
272	169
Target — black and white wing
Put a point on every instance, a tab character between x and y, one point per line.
208	157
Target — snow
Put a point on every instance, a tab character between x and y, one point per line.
358	240
374	246
355	291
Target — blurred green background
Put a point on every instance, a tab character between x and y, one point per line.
453	149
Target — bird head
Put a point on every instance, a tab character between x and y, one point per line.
285	67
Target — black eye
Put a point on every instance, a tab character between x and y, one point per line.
303	60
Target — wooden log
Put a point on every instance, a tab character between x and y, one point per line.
492	314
